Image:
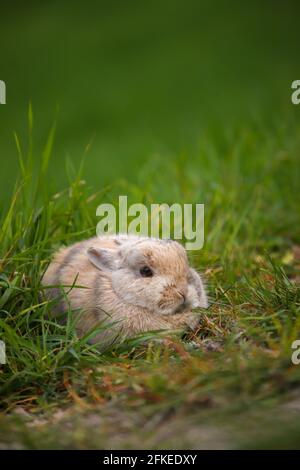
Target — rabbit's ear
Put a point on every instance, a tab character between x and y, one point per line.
103	258
196	281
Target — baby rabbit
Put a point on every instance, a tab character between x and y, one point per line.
133	283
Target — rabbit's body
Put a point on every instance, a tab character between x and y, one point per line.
136	284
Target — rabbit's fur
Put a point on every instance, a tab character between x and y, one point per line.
137	284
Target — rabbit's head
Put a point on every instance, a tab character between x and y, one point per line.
151	273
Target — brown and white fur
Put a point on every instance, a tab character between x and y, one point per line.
137	284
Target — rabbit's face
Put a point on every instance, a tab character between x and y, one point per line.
153	274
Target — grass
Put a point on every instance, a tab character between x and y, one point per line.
134	80
230	384
168	102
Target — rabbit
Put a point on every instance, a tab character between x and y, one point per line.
136	284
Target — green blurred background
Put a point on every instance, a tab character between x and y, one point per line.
132	79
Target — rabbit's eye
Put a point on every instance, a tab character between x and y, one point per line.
145	271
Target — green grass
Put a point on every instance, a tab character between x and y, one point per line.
133	79
195	391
